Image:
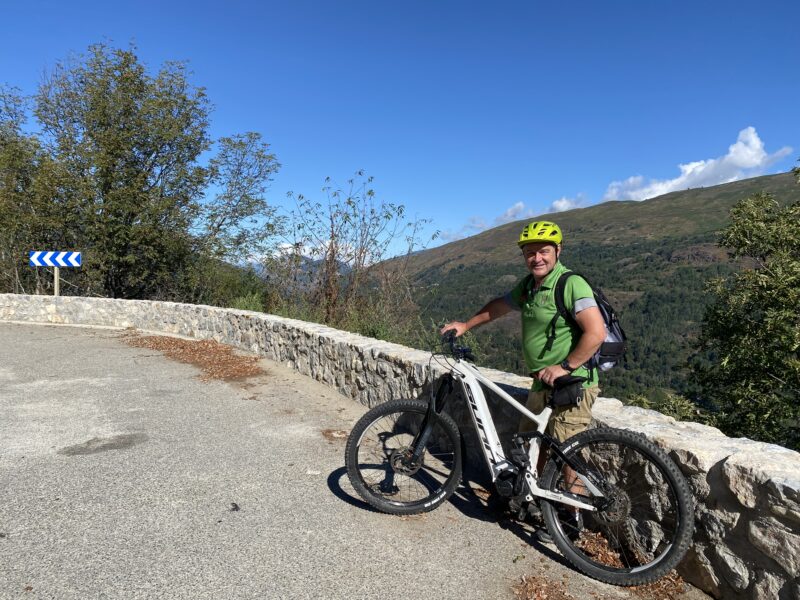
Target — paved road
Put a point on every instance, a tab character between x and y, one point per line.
120	471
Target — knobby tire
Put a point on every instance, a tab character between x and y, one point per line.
376	469
645	529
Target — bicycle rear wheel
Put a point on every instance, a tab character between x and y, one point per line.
378	455
644	523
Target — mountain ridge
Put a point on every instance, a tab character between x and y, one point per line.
582	224
652	258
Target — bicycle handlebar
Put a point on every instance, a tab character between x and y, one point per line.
462	352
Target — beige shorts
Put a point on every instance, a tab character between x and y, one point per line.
565	421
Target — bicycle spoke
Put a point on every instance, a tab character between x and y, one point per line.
383	457
637	522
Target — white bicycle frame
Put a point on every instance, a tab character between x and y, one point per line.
471	379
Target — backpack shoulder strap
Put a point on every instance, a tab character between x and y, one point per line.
560	287
561	310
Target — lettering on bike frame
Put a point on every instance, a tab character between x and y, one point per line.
471	381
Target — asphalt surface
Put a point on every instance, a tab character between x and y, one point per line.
123	475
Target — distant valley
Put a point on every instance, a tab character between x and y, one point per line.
651	258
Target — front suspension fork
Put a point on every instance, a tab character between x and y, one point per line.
435	407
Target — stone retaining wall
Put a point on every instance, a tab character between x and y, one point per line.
747	540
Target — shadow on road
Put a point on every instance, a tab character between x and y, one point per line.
475	507
333	484
471	505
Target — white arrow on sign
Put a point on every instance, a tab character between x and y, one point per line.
41	258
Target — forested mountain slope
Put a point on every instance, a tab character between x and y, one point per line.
651	258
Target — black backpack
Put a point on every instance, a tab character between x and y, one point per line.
612	350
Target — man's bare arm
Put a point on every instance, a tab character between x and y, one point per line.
493	310
591	322
594	333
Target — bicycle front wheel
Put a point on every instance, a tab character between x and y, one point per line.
378	458
644	522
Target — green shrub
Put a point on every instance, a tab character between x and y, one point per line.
251	301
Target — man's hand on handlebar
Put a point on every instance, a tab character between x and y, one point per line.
457	326
449	334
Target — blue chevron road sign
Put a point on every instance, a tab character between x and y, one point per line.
43	258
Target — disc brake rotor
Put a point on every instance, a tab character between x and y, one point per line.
616	509
617	513
401	462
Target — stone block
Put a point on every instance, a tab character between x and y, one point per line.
768	585
764	471
716	524
732	568
696	568
699	486
384	369
693	453
777	542
418	375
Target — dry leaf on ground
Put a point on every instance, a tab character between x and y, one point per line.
217	361
532	587
669	587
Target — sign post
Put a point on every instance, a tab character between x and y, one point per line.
56	260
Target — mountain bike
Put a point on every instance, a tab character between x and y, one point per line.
615	505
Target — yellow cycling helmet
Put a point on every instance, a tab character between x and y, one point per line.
540	231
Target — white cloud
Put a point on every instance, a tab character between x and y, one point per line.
514	213
451	236
565	203
745	158
474	225
477	224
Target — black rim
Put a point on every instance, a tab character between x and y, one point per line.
638	523
384	462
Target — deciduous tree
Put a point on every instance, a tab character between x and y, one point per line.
238	223
337	256
130	143
33	209
752	329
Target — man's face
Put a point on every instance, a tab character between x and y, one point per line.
540	258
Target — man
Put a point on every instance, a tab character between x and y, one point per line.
572	347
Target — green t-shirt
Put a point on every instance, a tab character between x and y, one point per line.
537	312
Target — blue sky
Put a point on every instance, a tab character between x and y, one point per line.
469	113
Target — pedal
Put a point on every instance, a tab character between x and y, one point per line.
522	510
